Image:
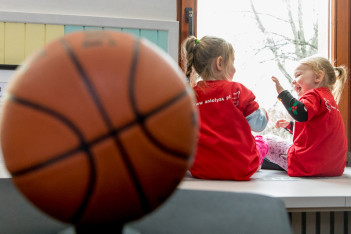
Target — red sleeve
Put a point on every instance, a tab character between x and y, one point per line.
312	102
244	99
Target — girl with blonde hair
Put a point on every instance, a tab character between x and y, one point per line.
319	140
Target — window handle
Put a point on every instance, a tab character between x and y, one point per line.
189	19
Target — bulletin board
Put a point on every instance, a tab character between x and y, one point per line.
23	33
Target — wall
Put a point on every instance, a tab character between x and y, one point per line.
141	9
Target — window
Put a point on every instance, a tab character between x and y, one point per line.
269	37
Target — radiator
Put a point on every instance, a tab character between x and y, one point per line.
336	222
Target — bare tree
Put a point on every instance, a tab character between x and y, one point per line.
285	47
277	43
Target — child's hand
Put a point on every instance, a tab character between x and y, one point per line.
282	123
277	85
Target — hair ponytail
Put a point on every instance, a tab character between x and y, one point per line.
199	55
341	77
187	56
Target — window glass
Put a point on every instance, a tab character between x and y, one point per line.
268	37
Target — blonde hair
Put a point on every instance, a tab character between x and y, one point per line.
199	55
334	77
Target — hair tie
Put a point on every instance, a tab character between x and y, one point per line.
197	41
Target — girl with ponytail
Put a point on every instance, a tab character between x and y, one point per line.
319	141
228	113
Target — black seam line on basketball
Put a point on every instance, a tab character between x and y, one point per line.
142	197
141	118
46	163
67	122
88	84
48	111
82	147
80	211
164	148
164	105
144	202
126	126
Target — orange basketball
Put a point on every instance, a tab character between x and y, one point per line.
98	127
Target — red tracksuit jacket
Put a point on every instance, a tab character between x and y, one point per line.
226	148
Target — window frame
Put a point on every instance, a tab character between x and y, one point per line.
340	51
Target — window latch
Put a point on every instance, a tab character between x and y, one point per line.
189	19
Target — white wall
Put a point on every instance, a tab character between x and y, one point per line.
139	9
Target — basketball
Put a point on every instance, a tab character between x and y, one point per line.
98	127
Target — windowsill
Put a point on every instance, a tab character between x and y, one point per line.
298	193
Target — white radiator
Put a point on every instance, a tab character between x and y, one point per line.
337	222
